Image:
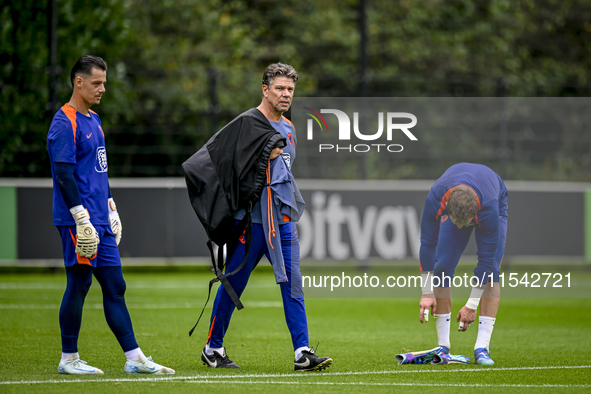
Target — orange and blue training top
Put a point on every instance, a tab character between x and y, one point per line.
78	139
492	203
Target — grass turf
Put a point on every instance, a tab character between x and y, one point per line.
538	344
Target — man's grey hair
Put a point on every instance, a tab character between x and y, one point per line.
279	70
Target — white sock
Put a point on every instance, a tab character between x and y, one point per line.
209	350
443	323
69	357
298	352
485	329
135	355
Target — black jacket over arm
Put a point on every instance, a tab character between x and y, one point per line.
228	172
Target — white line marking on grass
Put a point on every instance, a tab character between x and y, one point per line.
395	384
218	378
130	285
464	369
32	286
185	305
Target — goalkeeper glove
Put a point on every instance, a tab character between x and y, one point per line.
115	221
87	239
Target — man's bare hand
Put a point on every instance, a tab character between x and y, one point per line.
427	303
275	153
466	316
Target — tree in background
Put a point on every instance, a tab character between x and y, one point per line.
95	27
179	70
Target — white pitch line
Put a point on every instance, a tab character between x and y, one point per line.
299	375
398	384
130	285
131	305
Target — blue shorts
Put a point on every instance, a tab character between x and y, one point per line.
107	254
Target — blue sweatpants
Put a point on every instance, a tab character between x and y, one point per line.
293	307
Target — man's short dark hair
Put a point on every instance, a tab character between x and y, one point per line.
279	70
84	66
462	204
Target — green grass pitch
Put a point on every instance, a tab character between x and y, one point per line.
541	345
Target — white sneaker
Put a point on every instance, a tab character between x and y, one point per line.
78	367
147	366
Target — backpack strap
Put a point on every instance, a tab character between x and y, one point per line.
244	226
